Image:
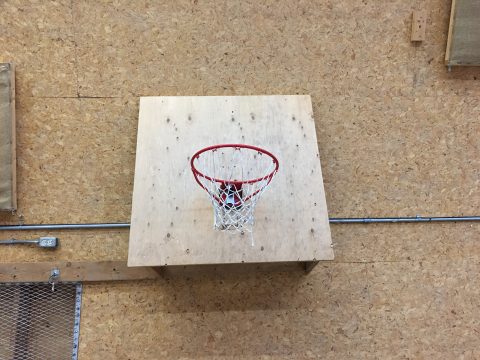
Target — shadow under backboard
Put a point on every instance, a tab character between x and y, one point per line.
235	269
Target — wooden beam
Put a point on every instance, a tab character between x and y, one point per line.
74	271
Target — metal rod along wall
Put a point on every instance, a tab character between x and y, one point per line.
416	219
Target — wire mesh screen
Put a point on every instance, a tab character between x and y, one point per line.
38	323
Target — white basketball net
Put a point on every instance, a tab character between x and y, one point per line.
234	178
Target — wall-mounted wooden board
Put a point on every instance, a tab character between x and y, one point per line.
463	46
419	22
74	271
172	217
8	197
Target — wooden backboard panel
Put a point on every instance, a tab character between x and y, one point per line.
463	47
172	217
8	196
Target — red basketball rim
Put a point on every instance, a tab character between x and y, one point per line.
197	173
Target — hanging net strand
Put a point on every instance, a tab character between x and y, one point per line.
234	177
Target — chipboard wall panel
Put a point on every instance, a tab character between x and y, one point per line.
398	135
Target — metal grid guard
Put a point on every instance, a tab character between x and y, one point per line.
38	323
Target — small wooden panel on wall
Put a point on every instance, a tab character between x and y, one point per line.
419	22
463	46
8	198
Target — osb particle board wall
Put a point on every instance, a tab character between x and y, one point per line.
397	135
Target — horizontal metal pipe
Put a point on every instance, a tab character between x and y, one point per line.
65	226
416	219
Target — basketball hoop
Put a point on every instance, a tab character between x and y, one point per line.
234	177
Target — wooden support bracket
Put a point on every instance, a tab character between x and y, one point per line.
419	23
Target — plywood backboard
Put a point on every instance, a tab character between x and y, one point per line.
172	217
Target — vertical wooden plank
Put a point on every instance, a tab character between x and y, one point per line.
450	33
8	188
419	23
14	136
